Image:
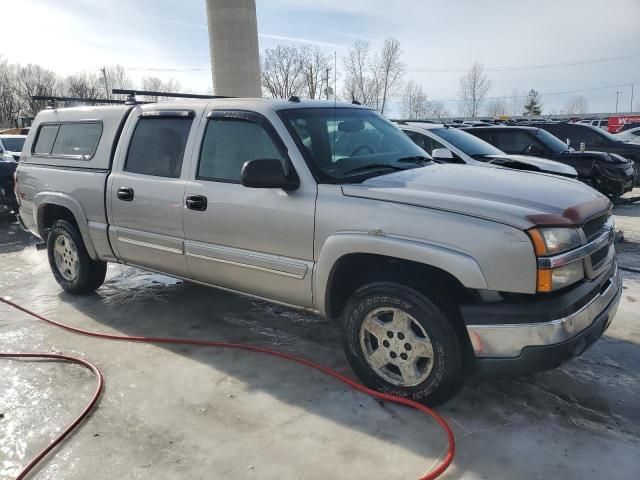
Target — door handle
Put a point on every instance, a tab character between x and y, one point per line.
197	202
125	194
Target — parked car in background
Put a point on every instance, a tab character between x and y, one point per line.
8	203
594	139
602	123
452	145
11	147
609	173
632	135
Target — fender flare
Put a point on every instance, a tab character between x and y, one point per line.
63	200
459	264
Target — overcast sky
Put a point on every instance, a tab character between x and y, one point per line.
439	39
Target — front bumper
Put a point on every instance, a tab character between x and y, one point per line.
524	345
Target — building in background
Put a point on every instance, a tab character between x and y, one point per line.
233	44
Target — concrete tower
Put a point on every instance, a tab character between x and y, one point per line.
233	43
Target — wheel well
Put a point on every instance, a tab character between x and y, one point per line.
356	270
51	212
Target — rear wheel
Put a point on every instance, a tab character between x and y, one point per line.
70	263
399	342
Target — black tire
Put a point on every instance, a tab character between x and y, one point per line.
90	273
447	370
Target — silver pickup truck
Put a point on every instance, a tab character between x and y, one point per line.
435	271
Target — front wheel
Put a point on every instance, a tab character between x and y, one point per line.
70	263
399	342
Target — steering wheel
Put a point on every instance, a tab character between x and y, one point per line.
362	147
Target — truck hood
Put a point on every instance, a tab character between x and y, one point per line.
519	199
544	165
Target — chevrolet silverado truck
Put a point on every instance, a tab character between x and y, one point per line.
434	270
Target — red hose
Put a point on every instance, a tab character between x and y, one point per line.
430	475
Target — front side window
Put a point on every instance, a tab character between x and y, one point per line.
46	136
345	145
157	146
517	142
426	143
229	143
469	144
77	139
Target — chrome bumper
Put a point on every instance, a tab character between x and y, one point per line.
508	340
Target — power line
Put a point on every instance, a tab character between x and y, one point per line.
525	67
564	92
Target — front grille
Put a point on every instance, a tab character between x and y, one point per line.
593	227
598	257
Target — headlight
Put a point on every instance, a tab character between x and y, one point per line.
550	241
557	278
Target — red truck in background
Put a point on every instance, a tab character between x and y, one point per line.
617	122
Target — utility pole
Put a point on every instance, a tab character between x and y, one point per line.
106	82
327	89
617	95
631	102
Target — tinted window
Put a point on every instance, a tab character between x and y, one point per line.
13	144
515	141
231	142
553	141
466	142
157	146
77	139
588	135
426	143
46	137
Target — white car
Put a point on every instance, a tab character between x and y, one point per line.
632	135
602	123
11	147
453	145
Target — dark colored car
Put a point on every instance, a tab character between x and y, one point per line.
608	173
8	203
594	138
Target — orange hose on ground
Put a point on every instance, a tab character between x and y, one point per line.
430	475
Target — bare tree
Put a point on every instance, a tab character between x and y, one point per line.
473	90
576	104
372	79
282	74
156	84
115	76
9	97
83	85
35	80
388	70
497	107
358	83
316	69
415	103
438	110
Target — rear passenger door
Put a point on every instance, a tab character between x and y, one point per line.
253	240
146	188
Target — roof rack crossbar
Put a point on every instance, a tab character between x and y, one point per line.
126	91
54	98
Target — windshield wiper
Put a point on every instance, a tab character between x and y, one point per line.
419	159
371	166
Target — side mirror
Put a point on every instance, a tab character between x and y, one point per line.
267	173
442	154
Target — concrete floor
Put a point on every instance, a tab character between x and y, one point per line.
198	413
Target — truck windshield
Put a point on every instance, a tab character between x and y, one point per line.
469	144
346	145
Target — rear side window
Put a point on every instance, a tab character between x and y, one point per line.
46	136
230	142
157	146
78	139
